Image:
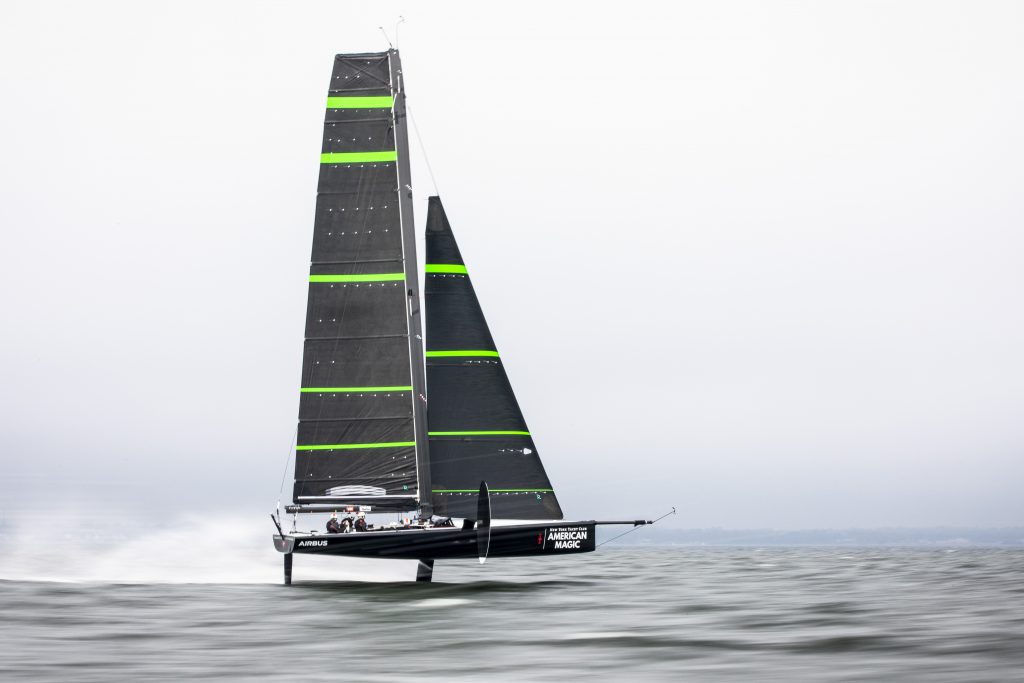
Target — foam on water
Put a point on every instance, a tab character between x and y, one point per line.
439	603
191	550
594	635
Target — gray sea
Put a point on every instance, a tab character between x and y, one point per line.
622	613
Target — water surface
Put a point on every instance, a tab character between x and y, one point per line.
633	613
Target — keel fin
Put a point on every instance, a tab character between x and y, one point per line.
483	523
424	571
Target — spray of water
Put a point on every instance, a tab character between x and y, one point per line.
190	550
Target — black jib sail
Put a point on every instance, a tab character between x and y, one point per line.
477	432
362	419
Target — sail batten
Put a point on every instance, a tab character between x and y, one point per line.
357	157
362	432
360	102
476	429
485	432
350	390
464	353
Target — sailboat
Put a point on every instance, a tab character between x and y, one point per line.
386	423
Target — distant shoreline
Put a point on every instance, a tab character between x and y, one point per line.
925	537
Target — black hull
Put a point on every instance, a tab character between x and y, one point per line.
447	543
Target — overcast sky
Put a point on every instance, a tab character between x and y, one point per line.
760	261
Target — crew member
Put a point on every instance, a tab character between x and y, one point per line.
333	525
361	522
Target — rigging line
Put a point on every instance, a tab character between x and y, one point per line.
291	450
386	37
637	527
423	148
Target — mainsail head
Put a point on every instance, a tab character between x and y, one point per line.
362	427
477	432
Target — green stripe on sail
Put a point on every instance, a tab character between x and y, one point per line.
446	268
349	390
493	490
370	277
348	446
357	157
456	354
384	102
499	432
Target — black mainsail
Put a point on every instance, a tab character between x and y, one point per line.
362	421
477	431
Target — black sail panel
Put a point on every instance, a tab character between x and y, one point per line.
476	429
362	424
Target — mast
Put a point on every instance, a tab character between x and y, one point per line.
362	421
419	389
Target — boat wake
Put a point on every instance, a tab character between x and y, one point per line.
220	550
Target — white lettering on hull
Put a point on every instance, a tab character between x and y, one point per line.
566	538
